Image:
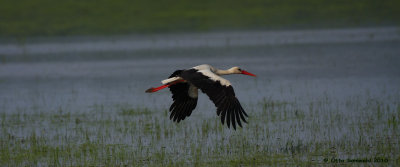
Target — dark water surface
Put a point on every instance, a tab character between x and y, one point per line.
339	76
290	65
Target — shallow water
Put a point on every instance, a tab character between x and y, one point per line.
324	87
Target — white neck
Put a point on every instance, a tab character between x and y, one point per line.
224	72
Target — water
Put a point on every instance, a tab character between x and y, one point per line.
314	89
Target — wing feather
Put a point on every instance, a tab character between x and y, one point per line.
220	92
237	117
183	104
233	117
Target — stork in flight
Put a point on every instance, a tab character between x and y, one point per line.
184	85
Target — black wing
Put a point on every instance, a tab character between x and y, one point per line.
183	104
228	106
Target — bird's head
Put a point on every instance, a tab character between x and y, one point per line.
237	70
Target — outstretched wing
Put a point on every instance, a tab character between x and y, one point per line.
185	99
221	93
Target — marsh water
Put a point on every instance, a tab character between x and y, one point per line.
318	94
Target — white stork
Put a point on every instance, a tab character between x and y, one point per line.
184	85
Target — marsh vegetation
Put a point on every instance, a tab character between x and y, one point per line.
311	104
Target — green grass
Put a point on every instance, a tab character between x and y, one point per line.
73	17
279	133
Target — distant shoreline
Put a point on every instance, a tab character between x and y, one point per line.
51	45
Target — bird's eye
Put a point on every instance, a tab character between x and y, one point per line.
240	69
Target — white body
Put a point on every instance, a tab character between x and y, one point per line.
209	71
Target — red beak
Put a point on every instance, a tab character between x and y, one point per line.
247	73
